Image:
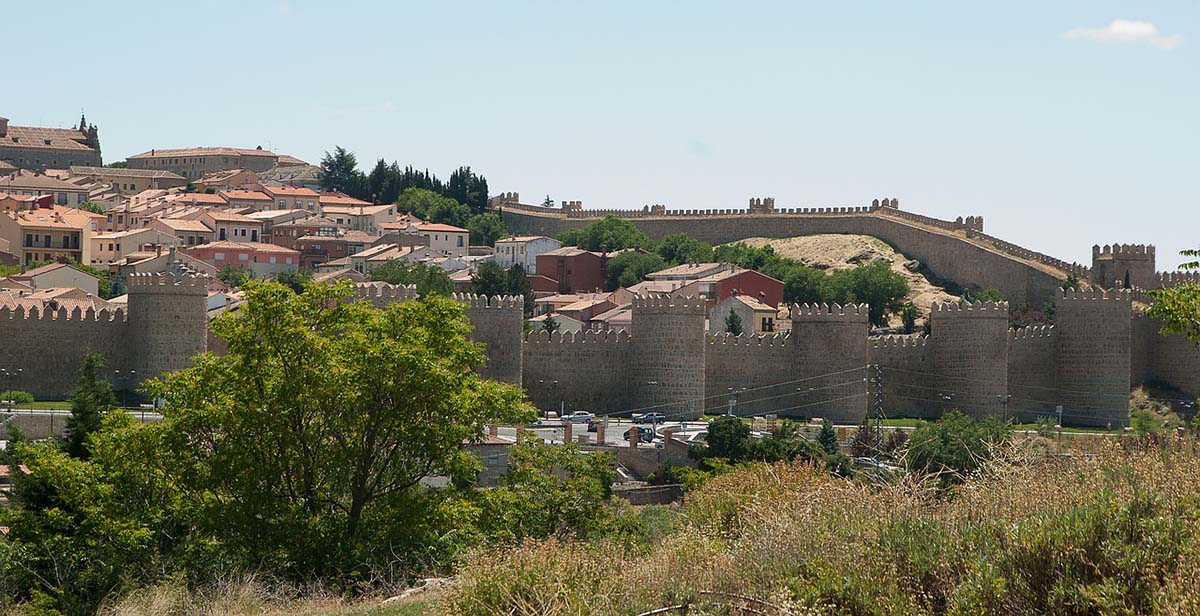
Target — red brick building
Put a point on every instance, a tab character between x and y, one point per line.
575	269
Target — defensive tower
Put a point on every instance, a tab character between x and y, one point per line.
969	344
1113	264
668	355
830	340
167	313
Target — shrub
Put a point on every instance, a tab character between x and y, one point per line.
16	397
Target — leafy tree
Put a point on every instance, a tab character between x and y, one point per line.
630	268
679	248
120	164
874	284
1179	307
92	400
744	255
428	279
908	316
486	229
490	279
982	295
518	284
332	412
728	438
610	233
866	441
827	438
91	206
234	276
15	398
294	279
733	323
955	444
801	284
1071	282
550	325
433	207
549	490
339	171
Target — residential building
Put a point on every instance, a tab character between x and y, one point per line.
741	281
291	197
523	251
308	176
195	163
206	200
188	232
129	181
286	234
108	248
317	249
251	199
690	271
270	218
227	179
159	261
30	183
360	217
265	260
575	269
755	316
58	275
232	227
52	233
566	324
446	239
366	260
37	148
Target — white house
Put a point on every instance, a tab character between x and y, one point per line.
523	250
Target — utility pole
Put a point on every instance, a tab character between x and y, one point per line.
877	403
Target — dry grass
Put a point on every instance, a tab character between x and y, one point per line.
250	596
1106	529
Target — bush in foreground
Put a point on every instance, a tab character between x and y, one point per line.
1104	531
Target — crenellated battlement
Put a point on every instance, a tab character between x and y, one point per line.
982	309
752	340
504	302
592	337
1175	279
1127	251
896	341
1031	332
648	304
1115	295
893	203
163	283
857	313
37	313
384	291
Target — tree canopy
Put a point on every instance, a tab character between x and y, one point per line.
1179	307
429	279
608	233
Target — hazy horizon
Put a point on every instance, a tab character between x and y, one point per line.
1063	126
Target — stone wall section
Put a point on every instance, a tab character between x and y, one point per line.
584	371
1093	358
970	355
1032	376
667	367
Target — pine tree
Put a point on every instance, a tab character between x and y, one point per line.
828	438
733	323
93	398
1126	283
550	325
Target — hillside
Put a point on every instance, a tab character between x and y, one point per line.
836	252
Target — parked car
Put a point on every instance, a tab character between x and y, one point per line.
550	417
649	418
645	435
593	423
578	417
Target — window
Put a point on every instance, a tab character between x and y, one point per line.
282	204
272	260
220	256
460	241
243	257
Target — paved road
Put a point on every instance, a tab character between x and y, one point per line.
137	413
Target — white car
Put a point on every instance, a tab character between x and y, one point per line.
578	417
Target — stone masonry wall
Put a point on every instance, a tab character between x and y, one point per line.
578	371
969	344
909	387
755	364
1093	332
832	341
667	369
48	347
1032	373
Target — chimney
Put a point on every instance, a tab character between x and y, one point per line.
158	250
493	430
3	127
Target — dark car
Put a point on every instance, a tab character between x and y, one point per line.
649	418
645	435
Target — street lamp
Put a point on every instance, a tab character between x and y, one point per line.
653	403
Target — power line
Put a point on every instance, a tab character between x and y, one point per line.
1056	389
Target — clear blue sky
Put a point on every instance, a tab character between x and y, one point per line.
1060	124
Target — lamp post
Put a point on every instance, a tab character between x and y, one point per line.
653	404
733	393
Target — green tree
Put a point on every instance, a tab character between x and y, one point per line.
728	438
294	279
490	279
875	284
679	248
486	229
733	323
955	444
1179	307
1070	283
339	171
234	276
428	279
91	206
332	411
518	284
92	400
609	233
549	490
433	207
827	438
630	268
120	164
981	295
908	316
550	324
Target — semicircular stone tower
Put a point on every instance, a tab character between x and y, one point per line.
168	323
668	355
